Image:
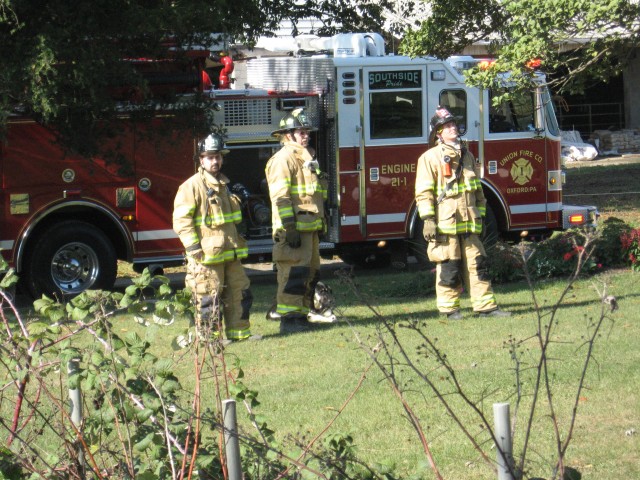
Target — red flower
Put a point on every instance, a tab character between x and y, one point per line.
599	265
567	256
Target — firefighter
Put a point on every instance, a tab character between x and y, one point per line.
297	190
204	217
452	205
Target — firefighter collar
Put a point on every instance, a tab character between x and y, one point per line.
451	148
298	149
211	180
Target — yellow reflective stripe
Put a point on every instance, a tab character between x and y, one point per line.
446	304
284	309
184	211
458	188
226	256
285	211
233	334
188	240
484	303
426	185
482	210
428	210
306	189
309	226
323	191
460	227
233	217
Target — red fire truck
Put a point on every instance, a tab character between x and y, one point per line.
66	221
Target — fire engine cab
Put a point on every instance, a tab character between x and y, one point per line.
66	221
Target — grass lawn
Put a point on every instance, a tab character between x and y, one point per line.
304	378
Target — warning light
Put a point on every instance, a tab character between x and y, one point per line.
577	219
534	63
486	64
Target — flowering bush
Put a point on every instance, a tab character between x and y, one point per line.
558	256
631	247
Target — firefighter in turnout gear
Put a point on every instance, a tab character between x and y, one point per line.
204	217
297	190
452	206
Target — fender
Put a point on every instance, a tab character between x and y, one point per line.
84	204
504	211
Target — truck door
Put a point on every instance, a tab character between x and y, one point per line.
164	158
392	129
516	159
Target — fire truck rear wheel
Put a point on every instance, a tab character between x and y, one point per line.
490	233
69	258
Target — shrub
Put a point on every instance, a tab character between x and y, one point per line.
631	248
608	248
558	255
505	263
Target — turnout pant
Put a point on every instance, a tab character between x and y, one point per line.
219	292
461	260
298	272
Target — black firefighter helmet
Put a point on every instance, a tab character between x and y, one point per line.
441	118
214	143
296	119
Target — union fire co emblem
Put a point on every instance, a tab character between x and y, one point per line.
521	171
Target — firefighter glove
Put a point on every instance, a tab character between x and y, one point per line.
429	229
292	235
196	255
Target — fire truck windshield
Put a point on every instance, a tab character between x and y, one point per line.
550	113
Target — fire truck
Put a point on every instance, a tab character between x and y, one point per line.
67	221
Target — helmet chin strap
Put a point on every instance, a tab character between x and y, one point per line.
457	144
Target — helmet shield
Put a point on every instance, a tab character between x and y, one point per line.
296	119
214	143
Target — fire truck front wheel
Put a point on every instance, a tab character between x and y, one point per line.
69	258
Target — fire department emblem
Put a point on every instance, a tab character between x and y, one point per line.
68	175
521	171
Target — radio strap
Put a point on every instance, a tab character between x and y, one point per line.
447	185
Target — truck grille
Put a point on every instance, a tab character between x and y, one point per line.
239	113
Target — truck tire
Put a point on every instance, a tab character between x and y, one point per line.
490	234
69	258
368	261
418	245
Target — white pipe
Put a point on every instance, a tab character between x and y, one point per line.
503	439
231	444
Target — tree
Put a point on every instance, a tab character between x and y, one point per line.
584	40
61	60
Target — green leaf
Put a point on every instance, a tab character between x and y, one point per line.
131	290
79	314
144	415
145	443
37	328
